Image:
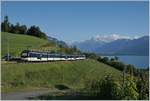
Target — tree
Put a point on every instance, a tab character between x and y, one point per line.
105	60
116	58
17	28
42	35
12	29
5	25
143	86
91	55
110	89
118	65
74	48
130	89
23	29
130	69
35	31
112	59
106	88
99	58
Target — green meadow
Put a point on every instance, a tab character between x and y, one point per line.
73	74
17	43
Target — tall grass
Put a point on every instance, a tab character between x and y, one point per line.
70	73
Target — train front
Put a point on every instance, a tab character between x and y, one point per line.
24	55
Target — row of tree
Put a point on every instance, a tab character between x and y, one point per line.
6	26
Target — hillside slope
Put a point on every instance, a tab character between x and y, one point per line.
18	43
73	74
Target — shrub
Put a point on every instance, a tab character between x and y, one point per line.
106	88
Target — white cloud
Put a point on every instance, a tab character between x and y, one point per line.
112	37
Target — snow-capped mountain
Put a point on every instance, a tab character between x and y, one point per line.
112	37
115	44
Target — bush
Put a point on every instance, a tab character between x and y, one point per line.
106	88
118	65
112	62
105	60
91	56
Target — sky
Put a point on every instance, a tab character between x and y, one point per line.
78	20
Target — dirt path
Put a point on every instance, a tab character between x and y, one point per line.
22	95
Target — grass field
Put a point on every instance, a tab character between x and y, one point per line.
73	74
18	43
23	76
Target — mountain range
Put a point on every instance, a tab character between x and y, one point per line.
115	45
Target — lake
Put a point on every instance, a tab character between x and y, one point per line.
137	61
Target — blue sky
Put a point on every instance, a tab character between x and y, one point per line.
77	21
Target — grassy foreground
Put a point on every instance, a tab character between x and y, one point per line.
73	74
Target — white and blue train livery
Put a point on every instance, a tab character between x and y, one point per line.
27	55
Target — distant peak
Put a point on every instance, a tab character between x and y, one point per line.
112	37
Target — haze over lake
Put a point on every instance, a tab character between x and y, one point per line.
137	61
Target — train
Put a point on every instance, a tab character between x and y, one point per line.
35	56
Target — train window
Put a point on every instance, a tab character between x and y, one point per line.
34	55
44	56
55	56
63	56
24	54
49	56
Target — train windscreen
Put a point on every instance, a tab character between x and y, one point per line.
24	55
